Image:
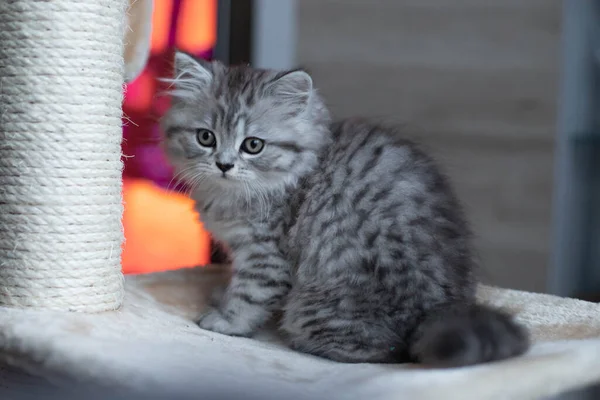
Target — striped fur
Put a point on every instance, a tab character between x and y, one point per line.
348	229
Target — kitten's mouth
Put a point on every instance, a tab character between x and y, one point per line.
224	176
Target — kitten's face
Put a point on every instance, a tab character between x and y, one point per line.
242	129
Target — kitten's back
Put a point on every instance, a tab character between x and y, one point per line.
385	268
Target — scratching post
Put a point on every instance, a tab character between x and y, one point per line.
61	74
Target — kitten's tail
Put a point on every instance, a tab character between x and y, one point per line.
467	334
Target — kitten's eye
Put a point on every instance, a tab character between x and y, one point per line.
253	145
205	137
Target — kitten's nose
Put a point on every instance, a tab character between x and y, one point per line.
224	167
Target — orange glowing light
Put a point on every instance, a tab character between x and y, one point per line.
161	24
197	25
162	230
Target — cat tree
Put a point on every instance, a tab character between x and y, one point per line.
68	316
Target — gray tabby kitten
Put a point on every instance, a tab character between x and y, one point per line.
347	229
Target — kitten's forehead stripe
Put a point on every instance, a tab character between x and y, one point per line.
240	126
231	117
246	86
218	114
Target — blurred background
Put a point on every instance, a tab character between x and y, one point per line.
500	92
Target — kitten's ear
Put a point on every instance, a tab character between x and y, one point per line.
189	67
293	87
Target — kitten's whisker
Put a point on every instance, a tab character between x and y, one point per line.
193	179
185	178
195	182
177	176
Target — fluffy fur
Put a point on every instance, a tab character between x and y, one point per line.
347	228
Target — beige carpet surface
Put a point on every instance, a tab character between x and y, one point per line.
153	343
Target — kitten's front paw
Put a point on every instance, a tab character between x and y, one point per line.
214	320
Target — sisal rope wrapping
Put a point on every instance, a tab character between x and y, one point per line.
61	76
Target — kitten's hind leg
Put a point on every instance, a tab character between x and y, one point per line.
319	322
350	342
258	286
